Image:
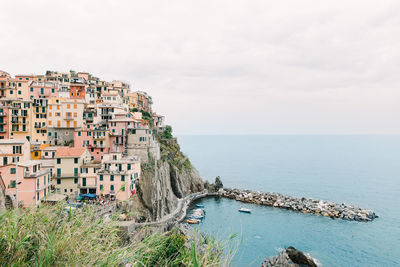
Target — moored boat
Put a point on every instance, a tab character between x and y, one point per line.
245	210
200	205
192	221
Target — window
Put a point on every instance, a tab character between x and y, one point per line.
122	178
58	181
75	114
112	188
75	180
129	166
31	89
101	187
58	161
101	177
36	154
50	114
68	106
111	177
58	172
12	184
76	160
75	106
79	133
76	171
83	181
12	170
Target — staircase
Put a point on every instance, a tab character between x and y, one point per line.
7	200
8	203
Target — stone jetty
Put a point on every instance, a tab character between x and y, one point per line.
305	205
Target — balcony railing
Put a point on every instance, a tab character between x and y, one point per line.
68	118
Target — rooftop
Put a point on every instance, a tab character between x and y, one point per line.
69	152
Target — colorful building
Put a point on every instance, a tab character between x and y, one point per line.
63	117
118	176
95	139
68	167
27	181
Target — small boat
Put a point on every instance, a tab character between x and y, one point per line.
197	217
200	205
192	221
245	210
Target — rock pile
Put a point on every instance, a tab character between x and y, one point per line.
290	257
305	205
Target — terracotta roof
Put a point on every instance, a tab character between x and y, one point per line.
69	152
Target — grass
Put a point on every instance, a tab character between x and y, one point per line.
43	237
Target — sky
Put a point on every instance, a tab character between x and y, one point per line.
225	67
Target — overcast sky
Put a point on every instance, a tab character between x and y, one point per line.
225	67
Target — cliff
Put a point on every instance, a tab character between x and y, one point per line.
164	180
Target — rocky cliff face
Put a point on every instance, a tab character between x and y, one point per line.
164	181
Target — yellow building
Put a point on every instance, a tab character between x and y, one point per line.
37	151
19	118
39	120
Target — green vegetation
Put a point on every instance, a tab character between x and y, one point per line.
167	133
44	237
171	152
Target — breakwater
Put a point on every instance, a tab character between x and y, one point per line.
305	205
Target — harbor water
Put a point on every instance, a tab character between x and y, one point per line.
357	170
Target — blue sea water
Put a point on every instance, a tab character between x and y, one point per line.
359	170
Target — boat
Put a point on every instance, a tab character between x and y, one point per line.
197	217
192	221
245	210
200	205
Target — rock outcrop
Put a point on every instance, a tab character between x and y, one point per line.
290	257
165	180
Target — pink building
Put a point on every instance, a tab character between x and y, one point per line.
94	139
118	176
43	89
27	181
118	130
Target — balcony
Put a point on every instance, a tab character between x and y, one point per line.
29	174
100	137
98	146
61	176
3	114
68	118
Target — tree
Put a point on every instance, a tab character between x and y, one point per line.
168	132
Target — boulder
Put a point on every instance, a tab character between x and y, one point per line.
298	257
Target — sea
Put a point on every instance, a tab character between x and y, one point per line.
361	170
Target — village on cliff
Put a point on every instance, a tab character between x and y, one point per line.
70	135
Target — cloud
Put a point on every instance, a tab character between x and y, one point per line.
225	66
